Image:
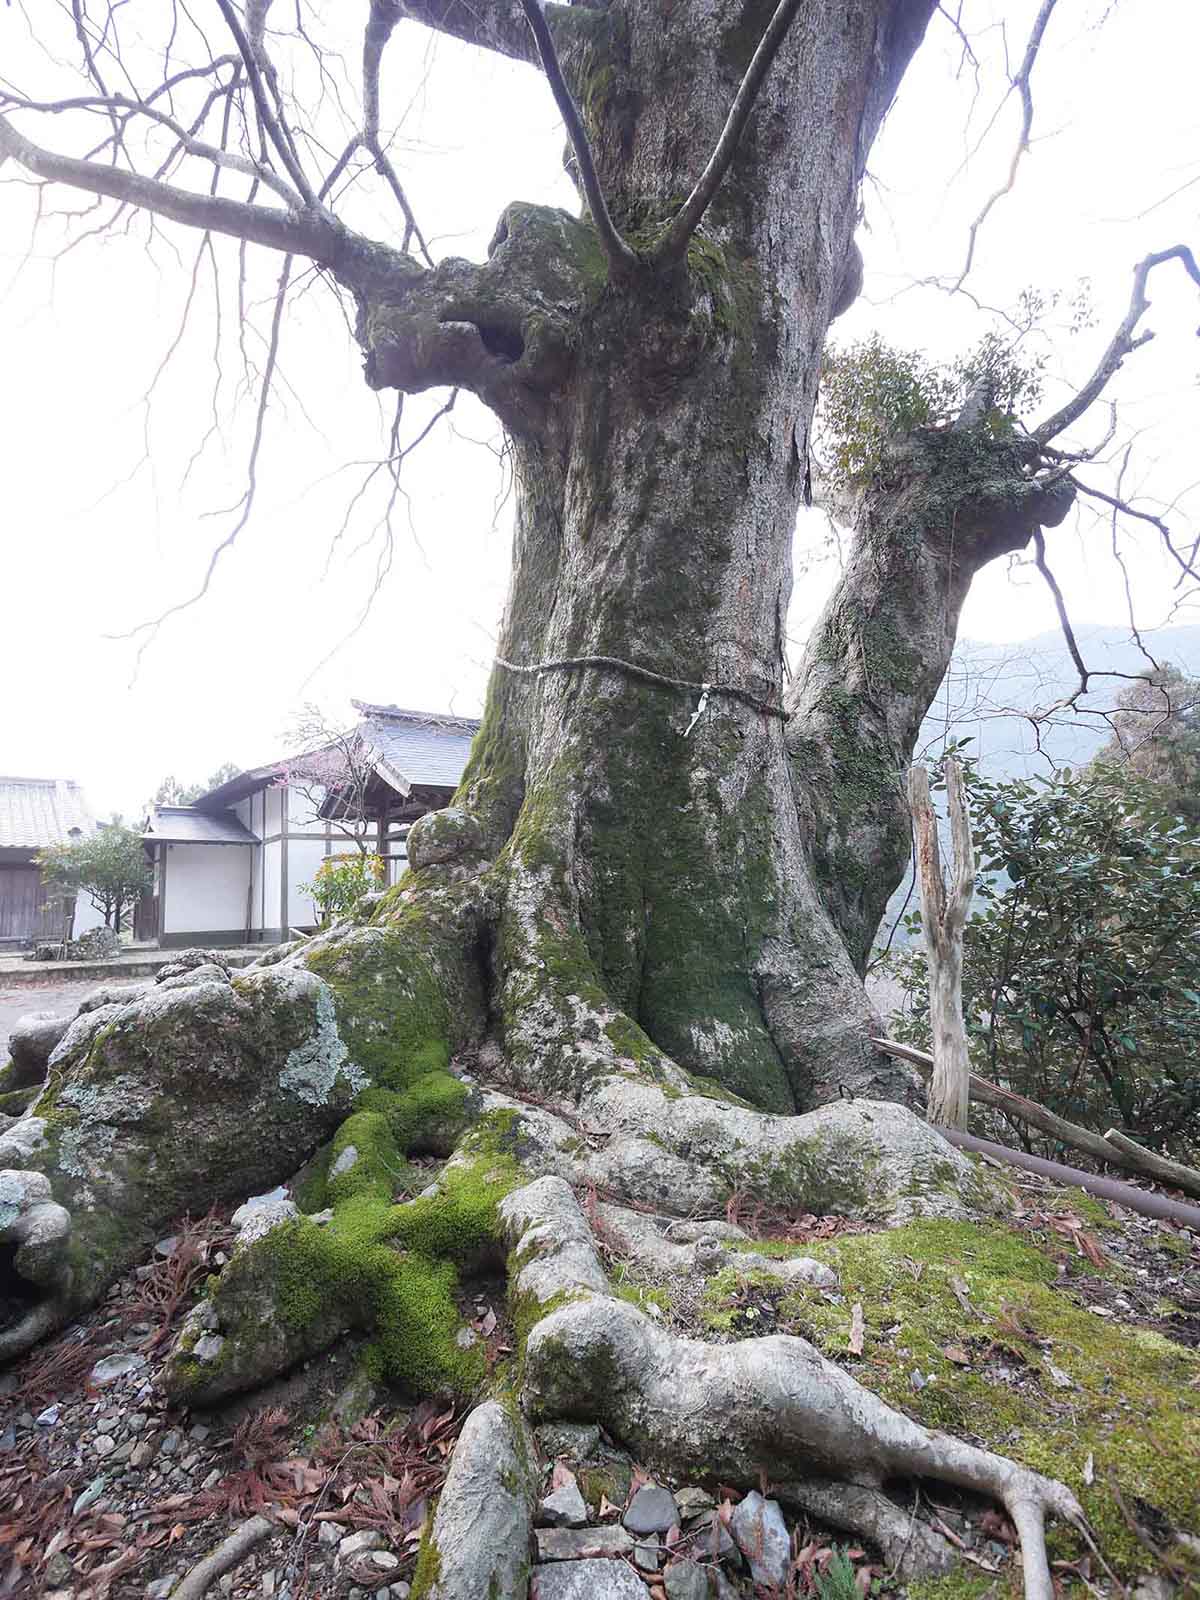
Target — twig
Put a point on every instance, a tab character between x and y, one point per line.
1039	546
276	130
621	257
674	241
228	1554
1021	84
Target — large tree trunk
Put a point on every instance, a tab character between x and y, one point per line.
636	934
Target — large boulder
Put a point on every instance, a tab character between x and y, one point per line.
180	1098
30	1044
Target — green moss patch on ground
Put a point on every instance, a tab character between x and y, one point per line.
1031	1373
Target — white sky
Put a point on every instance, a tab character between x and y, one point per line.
95	537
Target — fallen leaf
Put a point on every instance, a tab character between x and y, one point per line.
858	1329
488	1326
607	1509
956	1353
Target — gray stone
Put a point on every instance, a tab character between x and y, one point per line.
58	1569
576	1544
384	1560
199	1432
331	1533
587	1580
256	1202
161	1587
170	1442
208	1347
167	1247
481	1528
576	1440
761	1534
692	1501
213	1479
112	1367
48	1417
647	1553
143	1454
652	1510
357	1544
565	1508
710	1536
30	1045
686	1581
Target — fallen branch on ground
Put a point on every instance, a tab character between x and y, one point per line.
1112	1147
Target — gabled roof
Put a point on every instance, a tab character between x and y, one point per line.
248	782
409	749
41	811
187	825
417	749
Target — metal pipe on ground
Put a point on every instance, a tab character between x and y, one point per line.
1124	1194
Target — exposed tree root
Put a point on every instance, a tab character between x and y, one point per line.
772	1404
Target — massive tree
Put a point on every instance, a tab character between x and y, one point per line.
639	933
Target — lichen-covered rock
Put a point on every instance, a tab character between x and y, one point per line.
111	994
446	835
30	1044
478	1548
182	1097
188	961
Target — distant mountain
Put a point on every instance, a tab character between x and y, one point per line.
990	690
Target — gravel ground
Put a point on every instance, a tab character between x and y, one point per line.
61	998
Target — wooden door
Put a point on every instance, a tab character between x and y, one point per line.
20	902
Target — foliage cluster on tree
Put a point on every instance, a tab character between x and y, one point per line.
109	866
171	792
1081	970
1156	733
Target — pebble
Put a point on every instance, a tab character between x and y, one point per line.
355	1544
90	1495
692	1501
647	1554
213	1479
331	1532
761	1534
160	1588
142	1454
104	1444
713	1537
45	1419
199	1432
652	1510
384	1560
167	1247
119	1366
170	1443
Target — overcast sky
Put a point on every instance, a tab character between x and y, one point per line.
100	531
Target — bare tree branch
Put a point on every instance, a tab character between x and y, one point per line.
1021	84
276	128
492	24
303	233
1121	343
674	242
621	258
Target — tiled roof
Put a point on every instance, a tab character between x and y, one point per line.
186	825
424	748
40	811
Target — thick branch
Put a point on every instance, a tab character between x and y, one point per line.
674	242
619	254
275	128
491	24
299	232
1121	343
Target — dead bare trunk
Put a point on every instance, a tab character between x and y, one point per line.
943	921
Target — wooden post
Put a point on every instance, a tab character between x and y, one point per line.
943	918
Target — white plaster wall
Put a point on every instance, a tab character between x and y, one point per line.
272	802
270	886
86	915
206	887
302	811
304	857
